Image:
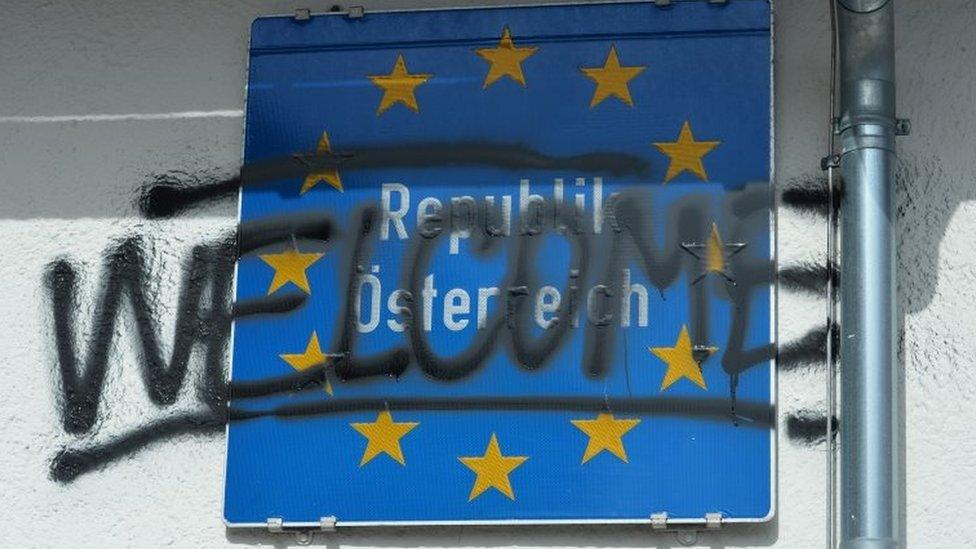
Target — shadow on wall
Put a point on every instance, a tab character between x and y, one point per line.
927	198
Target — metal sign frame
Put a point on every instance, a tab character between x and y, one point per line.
657	520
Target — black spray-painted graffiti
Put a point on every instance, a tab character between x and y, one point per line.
81	383
629	216
810	195
205	323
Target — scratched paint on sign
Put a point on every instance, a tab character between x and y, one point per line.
528	262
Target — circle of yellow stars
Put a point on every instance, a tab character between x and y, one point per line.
605	432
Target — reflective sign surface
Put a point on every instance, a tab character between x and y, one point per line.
506	265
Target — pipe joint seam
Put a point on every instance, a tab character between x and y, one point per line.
869	132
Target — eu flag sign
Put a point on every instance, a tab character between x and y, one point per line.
506	265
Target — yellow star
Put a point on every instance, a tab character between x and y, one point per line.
714	252
329	175
399	86
492	469
681	361
290	266
612	79
313	356
383	436
506	59
715	258
605	433
686	154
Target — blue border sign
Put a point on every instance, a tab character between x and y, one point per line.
506	265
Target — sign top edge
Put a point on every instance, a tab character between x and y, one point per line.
434	25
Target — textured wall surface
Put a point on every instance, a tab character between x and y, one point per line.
142	475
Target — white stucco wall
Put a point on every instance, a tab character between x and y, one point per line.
69	188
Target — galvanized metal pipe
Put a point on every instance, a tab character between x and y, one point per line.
870	468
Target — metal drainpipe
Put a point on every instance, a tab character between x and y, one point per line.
870	468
